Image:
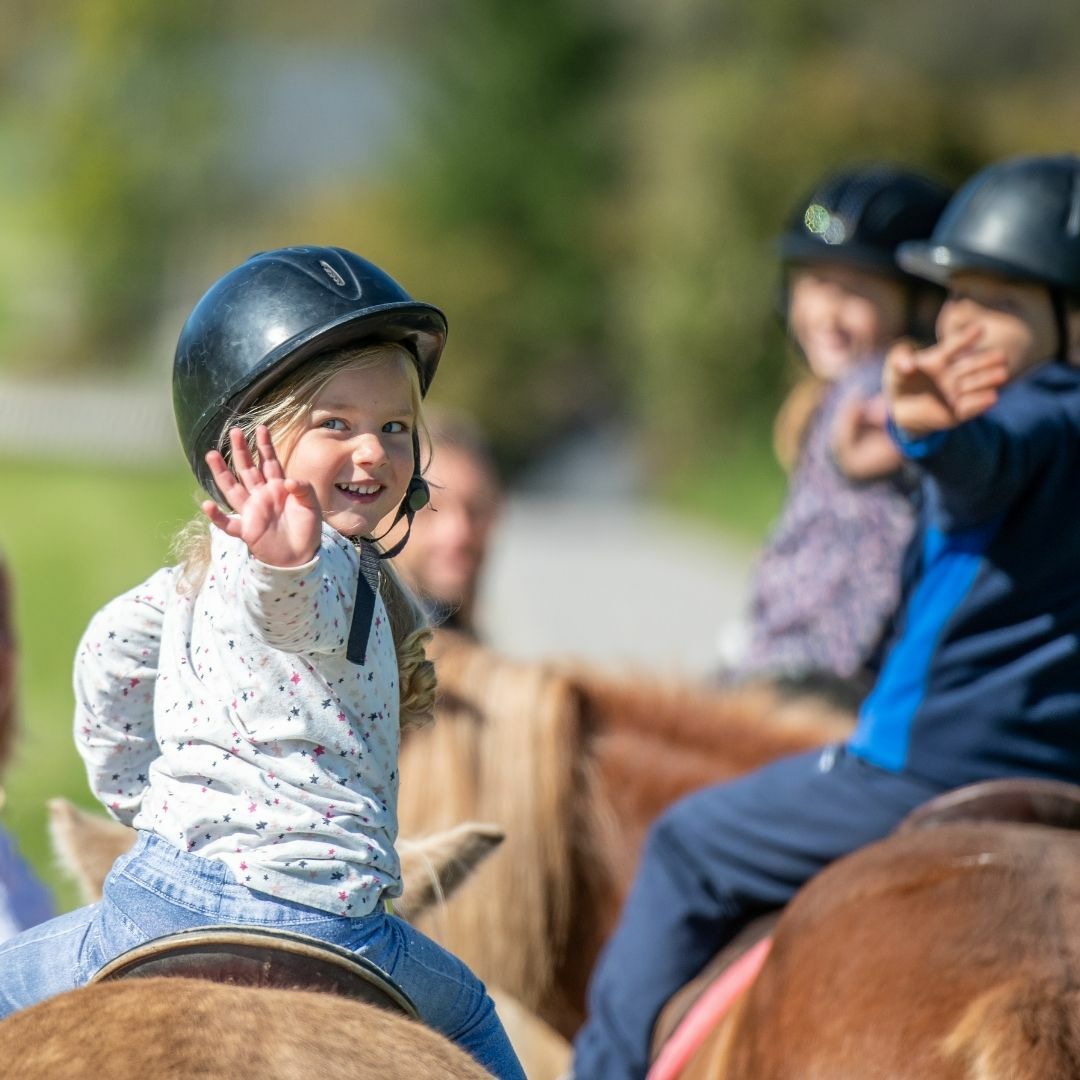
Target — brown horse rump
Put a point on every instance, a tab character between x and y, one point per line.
990	812
944	952
177	1028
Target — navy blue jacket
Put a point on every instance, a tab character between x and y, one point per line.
982	678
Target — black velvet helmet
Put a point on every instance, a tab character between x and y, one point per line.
860	216
1018	218
278	309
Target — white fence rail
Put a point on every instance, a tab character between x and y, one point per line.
103	421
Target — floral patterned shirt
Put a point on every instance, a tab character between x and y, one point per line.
229	722
828	580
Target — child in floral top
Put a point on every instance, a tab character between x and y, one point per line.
828	578
242	710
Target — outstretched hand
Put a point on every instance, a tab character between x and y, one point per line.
861	446
279	519
937	388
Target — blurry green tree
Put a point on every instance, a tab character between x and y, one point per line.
590	190
509	171
133	140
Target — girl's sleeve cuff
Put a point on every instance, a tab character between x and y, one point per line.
270	572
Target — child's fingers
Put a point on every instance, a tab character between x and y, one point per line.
977	372
975	404
271	466
243	464
955	345
981	379
304	493
234	492
226	522
902	358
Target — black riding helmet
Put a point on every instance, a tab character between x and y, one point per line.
1017	219
858	217
278	309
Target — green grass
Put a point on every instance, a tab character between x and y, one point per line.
74	537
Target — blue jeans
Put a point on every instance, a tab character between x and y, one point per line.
157	889
711	862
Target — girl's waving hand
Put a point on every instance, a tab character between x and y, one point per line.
278	518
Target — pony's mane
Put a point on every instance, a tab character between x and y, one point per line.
502	745
572	763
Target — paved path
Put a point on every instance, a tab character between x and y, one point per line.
583	566
617	583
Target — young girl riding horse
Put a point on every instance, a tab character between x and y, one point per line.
981	680
849	511
242	710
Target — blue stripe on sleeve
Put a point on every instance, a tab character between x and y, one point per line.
950	563
912	447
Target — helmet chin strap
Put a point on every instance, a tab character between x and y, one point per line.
417	496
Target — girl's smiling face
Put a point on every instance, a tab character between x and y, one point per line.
355	444
1015	317
840	315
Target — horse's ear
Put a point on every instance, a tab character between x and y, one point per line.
86	845
433	867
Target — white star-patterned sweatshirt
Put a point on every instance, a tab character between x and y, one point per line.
230	723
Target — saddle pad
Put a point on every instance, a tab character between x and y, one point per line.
707	1012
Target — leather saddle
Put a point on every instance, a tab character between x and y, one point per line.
1022	800
253	956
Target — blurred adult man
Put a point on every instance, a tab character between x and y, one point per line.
444	557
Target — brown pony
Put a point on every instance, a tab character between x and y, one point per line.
945	953
176	1027
573	764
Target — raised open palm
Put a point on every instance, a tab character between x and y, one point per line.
278	518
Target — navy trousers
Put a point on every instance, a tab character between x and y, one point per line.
712	862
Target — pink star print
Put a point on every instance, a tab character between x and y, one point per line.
295	678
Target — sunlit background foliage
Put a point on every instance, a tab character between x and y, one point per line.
589	189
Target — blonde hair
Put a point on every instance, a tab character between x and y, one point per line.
283	410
